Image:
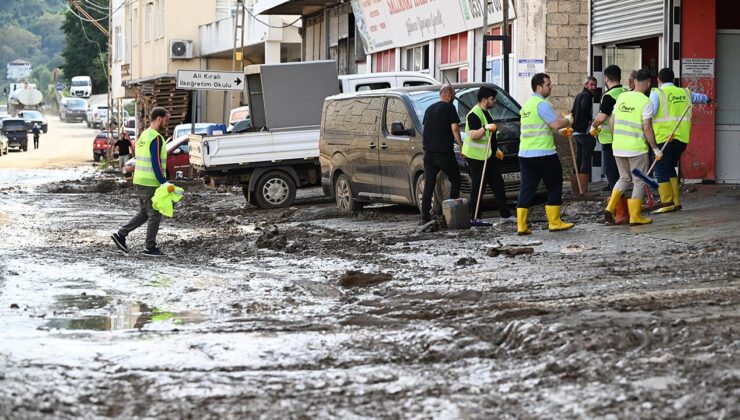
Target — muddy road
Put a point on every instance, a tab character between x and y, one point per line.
309	313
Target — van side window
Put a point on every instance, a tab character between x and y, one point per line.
372	86
356	116
410	83
396	111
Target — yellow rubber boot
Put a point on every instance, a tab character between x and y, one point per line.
676	190
611	207
553	217
521	221
635	207
666	196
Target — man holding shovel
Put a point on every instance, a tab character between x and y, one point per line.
669	102
478	148
633	134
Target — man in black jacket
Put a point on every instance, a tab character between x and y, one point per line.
585	143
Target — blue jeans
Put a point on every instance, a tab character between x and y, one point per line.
609	165
665	169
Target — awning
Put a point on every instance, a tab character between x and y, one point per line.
291	7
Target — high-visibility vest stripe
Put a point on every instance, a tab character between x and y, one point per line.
476	149
535	133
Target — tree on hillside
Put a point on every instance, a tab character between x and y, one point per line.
86	48
17	43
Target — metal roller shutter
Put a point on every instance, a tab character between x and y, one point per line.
620	20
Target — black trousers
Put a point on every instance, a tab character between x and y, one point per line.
547	169
433	163
665	169
35	141
585	144
493	179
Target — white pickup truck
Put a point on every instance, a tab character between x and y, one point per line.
281	151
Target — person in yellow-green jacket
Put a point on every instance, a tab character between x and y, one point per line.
480	145
632	129
538	158
149	173
669	103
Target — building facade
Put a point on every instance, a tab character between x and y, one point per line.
700	41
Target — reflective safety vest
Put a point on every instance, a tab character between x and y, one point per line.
605	137
476	149
143	170
673	102
535	133
628	132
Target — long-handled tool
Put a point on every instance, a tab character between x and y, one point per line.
575	164
474	221
646	177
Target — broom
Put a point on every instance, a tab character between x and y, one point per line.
645	177
473	220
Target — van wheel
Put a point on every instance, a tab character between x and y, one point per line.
436	202
343	195
275	189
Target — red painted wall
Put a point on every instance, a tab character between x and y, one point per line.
699	40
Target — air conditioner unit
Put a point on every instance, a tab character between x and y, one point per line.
181	49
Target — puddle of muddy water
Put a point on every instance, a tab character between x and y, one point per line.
85	314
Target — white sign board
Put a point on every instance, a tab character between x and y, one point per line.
210	80
397	23
697	67
528	67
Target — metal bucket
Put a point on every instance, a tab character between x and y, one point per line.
456	213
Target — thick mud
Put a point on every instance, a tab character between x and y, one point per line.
307	312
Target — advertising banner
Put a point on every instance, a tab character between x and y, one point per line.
385	24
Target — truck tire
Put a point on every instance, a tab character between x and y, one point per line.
250	199
96	157
343	195
275	189
419	189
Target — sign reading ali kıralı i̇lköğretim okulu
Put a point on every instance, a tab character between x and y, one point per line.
385	24
210	80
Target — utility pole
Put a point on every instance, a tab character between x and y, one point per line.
507	39
239	18
485	41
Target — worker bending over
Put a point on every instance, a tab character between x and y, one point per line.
633	131
669	103
478	148
538	158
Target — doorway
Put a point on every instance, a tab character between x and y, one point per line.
727	129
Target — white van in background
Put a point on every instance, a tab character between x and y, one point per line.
373	81
81	86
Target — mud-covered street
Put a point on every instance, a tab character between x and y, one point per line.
309	313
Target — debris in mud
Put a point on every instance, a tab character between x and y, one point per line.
354	278
14	306
466	261
272	239
85	185
428	227
574	249
509	250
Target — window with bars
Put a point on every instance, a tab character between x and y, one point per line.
384	61
454	48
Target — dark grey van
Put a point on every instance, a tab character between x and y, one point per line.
371	144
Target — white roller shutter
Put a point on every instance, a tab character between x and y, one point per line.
620	20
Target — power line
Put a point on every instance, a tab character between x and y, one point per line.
271	26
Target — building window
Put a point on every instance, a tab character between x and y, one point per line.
149	22
454	48
118	43
417	58
160	18
384	61
135	28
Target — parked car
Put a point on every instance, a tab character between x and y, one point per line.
129	126
32	117
371	144
81	86
373	81
101	144
14	129
73	109
94	114
178	151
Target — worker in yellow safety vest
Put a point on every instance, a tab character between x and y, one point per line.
538	158
479	146
669	103
149	173
632	128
